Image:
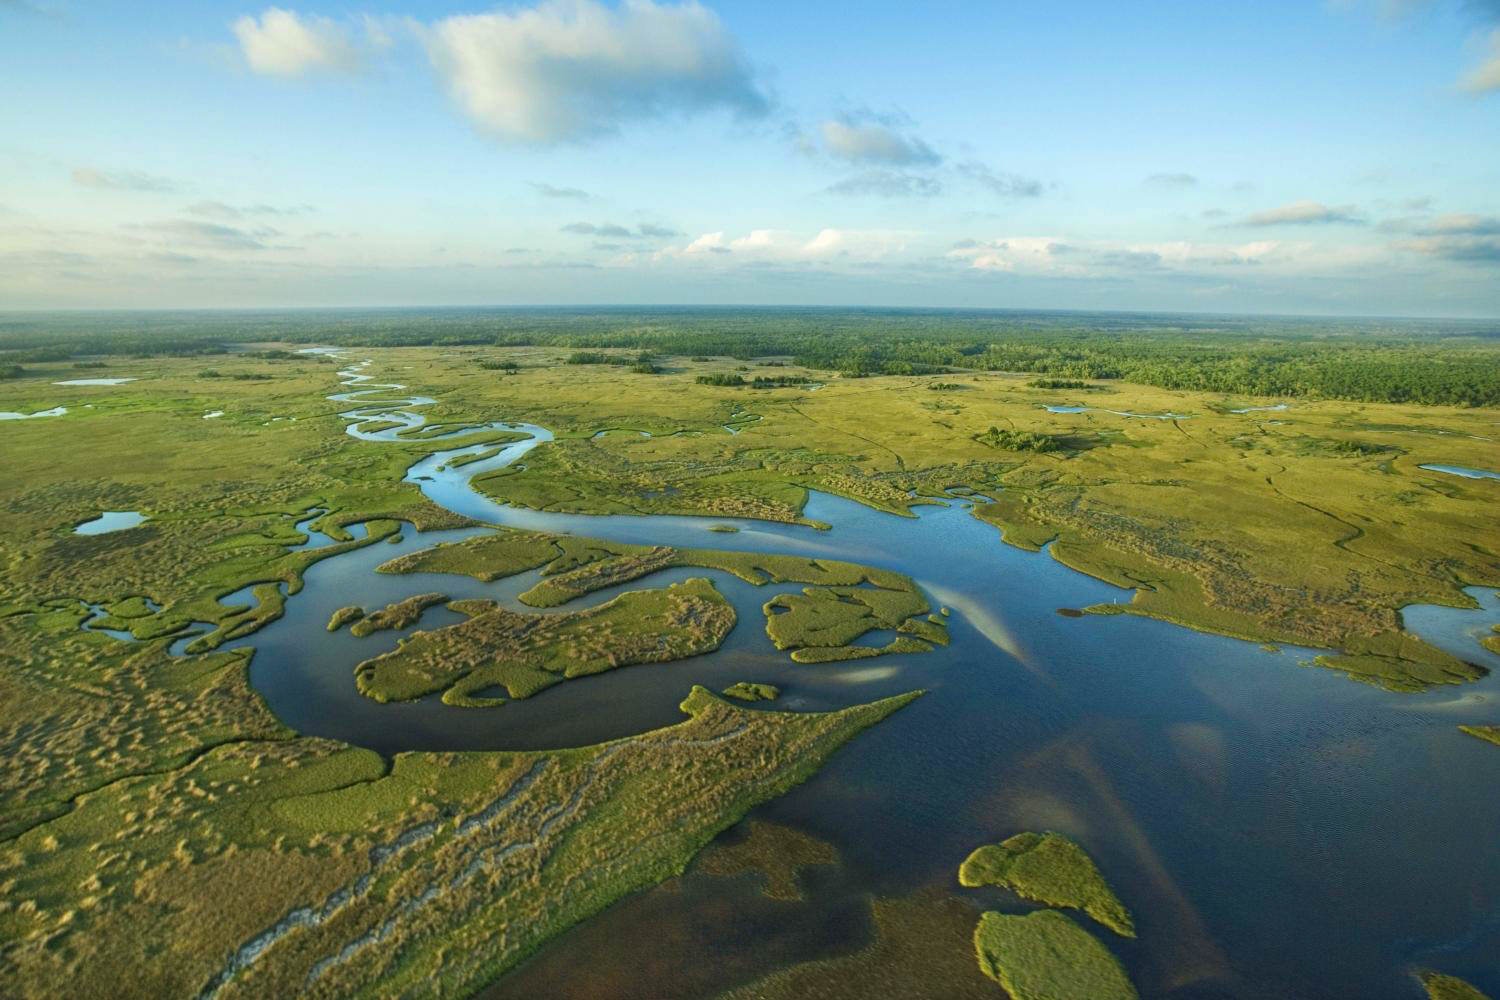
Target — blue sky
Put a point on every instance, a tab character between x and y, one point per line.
1280	157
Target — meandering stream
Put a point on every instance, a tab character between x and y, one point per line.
1278	829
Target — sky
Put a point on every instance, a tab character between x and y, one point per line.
1336	157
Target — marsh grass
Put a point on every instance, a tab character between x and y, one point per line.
1045	956
1048	868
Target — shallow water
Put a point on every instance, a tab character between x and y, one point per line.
110	520
1460	470
1120	413
1247	807
56	411
96	381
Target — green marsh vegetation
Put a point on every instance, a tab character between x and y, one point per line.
1444	987
752	691
158	818
343	616
186	879
525	653
1048	868
1045	956
398	615
1490	734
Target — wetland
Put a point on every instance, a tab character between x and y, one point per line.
355	680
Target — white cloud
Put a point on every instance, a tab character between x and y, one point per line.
285	43
865	141
1050	255
1485	78
122	180
707	243
574	69
1304	213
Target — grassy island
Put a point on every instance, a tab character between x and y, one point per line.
1046	956
523	653
1048	868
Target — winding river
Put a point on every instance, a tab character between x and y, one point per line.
1250	809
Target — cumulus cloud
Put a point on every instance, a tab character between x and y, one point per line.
1172	182
613	230
570	70
1304	213
865	138
284	43
550	191
123	180
998	182
1485	78
887	184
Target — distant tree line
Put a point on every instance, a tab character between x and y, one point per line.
1410	361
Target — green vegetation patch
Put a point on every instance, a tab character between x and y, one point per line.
400	614
527	653
343	616
1048	868
752	691
306	867
835	616
1046	956
1008	440
1398	661
486	557
1440	986
1490	734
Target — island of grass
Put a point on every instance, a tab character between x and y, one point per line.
343	616
1490	734
1046	956
398	615
750	691
1492	642
525	653
1048	868
845	602
1440	986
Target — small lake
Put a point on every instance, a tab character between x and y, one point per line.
97	381
110	520
1119	413
1459	470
